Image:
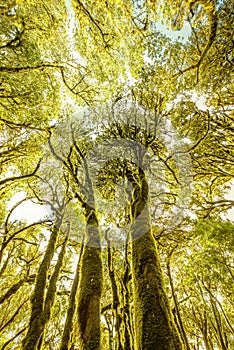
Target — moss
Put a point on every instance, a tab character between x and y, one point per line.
67	331
154	325
90	287
37	320
51	292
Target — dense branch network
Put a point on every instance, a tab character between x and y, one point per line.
210	8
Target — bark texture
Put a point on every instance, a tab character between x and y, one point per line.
154	325
90	286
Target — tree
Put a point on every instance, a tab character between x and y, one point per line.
125	137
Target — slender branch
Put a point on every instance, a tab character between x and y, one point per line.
29	68
94	21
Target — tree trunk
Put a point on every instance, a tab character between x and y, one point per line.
90	286
37	318
180	323
115	295
219	327
65	341
154	324
205	332
51	292
126	312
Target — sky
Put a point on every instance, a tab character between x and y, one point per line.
181	35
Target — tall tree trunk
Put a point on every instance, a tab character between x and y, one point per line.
51	292
115	295
126	313
66	337
35	331
180	323
205	332
154	324
90	286
219	325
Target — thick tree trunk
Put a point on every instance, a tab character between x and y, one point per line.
154	324
177	311
66	337
115	296
51	292
35	331
219	327
90	286
126	310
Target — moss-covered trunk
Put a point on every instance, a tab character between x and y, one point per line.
51	291
180	325
127	333
67	331
90	286
154	326
115	296
36	323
